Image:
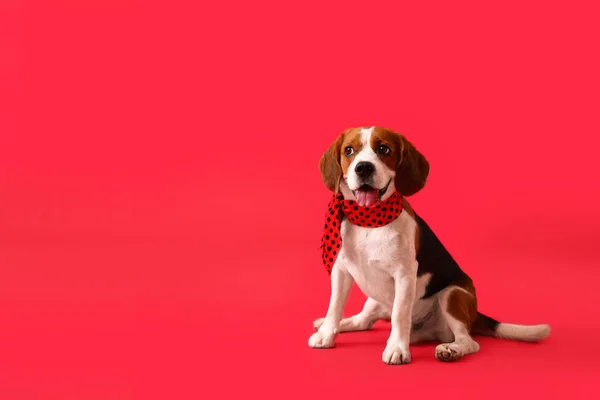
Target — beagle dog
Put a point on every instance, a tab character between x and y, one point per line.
408	276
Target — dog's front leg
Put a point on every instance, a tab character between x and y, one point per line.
397	350
341	283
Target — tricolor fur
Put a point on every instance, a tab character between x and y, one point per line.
403	268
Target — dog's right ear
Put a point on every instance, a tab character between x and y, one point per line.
329	164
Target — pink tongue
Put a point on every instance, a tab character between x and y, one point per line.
366	198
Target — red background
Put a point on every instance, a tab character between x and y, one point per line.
161	205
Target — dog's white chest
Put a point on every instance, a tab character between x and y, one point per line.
373	256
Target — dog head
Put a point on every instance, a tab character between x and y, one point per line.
368	164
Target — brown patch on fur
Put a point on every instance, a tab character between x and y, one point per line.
463	305
381	136
329	165
334	163
466	283
351	138
406	207
412	169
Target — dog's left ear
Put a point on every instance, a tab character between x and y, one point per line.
330	167
412	170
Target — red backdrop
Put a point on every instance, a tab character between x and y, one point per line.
161	206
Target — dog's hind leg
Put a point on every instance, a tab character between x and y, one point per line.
371	313
459	309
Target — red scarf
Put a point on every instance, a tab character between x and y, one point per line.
370	217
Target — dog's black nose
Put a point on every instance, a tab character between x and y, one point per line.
364	169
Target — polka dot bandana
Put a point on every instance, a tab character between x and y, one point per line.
370	217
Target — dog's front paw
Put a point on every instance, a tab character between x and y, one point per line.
322	340
395	354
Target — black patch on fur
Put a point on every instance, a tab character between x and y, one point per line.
489	323
433	258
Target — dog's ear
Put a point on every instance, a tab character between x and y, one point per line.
330	167
412	170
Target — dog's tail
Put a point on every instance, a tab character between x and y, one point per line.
487	326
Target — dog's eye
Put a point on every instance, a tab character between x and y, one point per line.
384	150
348	151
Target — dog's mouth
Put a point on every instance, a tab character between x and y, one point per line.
368	196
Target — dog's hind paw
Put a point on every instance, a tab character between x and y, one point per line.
447	352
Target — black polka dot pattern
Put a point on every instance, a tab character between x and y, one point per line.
338	208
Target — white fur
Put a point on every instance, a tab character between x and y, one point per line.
341	283
526	333
382	261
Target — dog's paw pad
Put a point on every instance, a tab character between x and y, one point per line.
447	352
